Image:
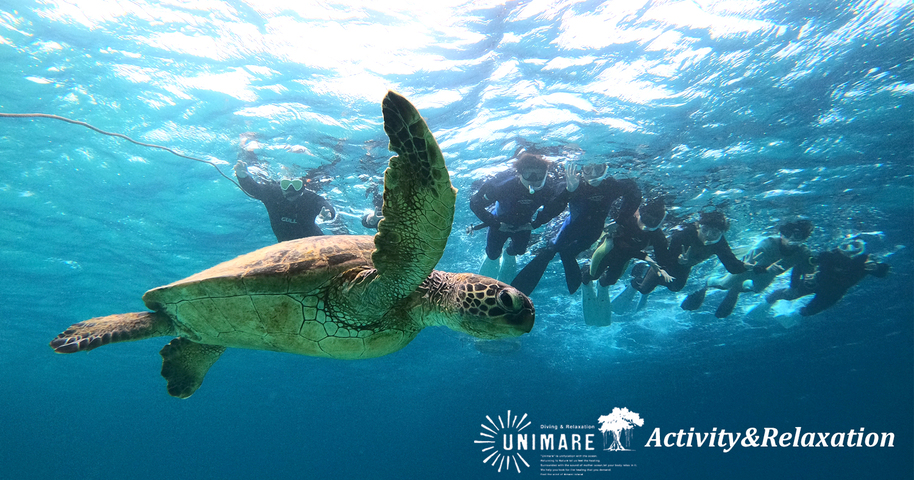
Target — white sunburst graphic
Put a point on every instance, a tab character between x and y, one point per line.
490	441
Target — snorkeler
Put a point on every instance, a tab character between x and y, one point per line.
589	193
772	256
291	207
691	244
517	194
631	239
835	273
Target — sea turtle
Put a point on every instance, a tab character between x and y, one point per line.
347	297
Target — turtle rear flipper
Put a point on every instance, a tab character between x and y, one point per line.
125	327
185	363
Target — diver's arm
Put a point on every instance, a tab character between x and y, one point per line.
631	197
551	209
661	249
247	183
726	256
479	204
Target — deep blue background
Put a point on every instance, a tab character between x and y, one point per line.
765	110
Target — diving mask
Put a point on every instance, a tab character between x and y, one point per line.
296	184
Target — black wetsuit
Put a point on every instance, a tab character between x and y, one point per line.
588	207
629	242
834	275
289	219
514	206
682	238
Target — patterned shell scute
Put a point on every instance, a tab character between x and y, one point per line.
277	299
296	266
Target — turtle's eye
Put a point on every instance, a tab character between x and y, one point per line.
506	300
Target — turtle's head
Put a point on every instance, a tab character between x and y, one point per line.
486	308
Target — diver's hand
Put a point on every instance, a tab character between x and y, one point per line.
752	262
776	268
660	271
241	169
684	256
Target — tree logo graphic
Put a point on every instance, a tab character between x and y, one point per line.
621	419
495	447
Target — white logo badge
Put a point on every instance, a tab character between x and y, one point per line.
492	440
621	419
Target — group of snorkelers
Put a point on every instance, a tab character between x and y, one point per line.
517	201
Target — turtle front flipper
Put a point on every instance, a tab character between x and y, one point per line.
418	203
124	327
185	363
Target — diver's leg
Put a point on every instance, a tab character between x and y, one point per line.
616	263
645	280
726	281
518	246
495	241
821	301
680	278
573	276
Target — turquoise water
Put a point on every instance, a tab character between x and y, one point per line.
764	109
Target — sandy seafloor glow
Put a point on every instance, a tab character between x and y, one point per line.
766	109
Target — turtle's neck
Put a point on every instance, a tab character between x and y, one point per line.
434	300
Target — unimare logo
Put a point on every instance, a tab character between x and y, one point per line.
493	439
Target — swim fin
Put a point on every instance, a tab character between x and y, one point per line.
757	313
694	300
642	302
529	276
490	267
623	302
597	307
726	307
508	269
573	277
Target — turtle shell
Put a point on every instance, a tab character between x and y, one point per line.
276	298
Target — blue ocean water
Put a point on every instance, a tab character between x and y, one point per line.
765	109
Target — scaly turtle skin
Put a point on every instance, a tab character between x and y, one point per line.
347	297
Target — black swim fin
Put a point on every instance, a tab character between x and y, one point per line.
726	307
529	276
572	272
694	300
